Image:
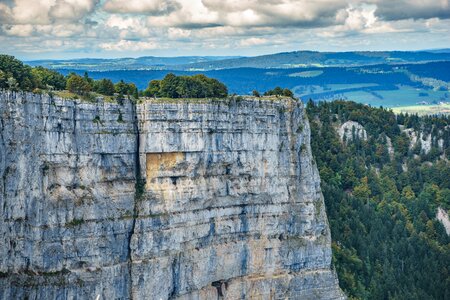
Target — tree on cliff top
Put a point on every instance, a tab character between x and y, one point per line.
196	86
14	74
104	86
78	85
48	79
278	91
126	89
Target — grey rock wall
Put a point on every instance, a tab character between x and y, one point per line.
185	200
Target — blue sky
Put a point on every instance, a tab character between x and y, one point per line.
33	29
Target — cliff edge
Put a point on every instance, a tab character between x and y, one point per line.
180	199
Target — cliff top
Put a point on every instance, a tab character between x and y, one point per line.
65	95
205	100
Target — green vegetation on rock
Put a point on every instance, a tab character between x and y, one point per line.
46	79
14	75
196	86
78	85
278	91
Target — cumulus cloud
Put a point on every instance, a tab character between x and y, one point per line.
151	7
59	18
137	25
20	30
45	11
254	41
123	22
352	20
126	45
294	13
412	9
278	13
70	9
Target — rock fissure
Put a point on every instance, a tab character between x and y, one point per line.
3	169
138	193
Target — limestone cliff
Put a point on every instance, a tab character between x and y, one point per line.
184	200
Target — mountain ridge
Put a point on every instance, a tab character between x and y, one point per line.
304	58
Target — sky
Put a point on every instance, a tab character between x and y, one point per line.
64	29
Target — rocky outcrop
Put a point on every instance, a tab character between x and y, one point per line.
350	130
425	141
182	200
442	216
390	147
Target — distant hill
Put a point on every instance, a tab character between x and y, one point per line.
319	59
444	50
127	63
285	60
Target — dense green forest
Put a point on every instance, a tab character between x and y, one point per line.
387	243
15	75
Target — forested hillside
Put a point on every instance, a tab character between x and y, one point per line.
383	184
15	75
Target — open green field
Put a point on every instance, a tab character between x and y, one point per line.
340	86
307	74
303	90
423	109
416	99
404	96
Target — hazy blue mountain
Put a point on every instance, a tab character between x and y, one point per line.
320	59
127	63
280	60
443	50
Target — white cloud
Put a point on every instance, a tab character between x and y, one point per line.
140	6
122	23
179	34
144	25
19	30
254	41
207	13
124	45
46	11
412	9
360	18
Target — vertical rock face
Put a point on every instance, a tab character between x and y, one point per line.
67	193
182	200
